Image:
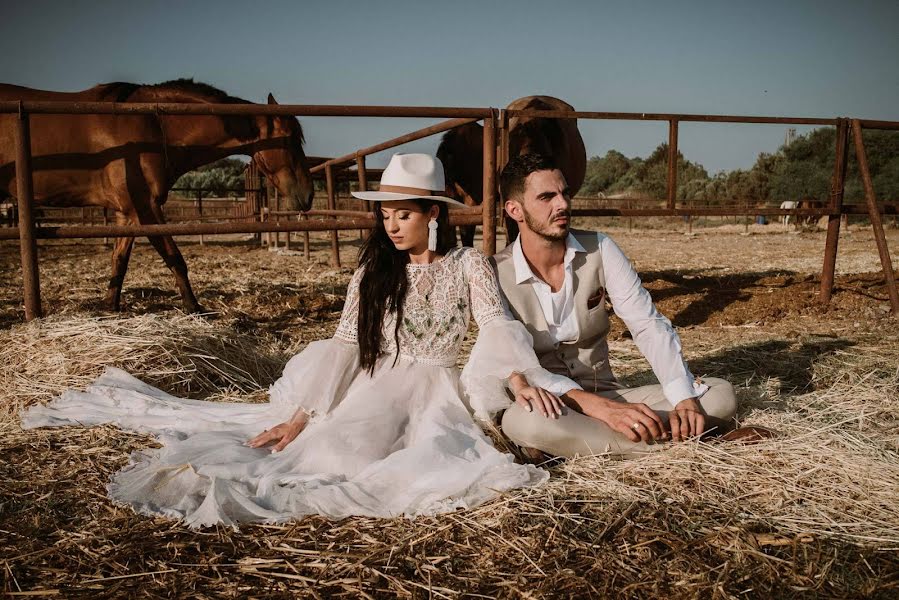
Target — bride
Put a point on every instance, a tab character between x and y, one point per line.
375	421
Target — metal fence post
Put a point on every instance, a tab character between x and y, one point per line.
837	188
489	202
874	214
25	196
672	163
363	187
335	242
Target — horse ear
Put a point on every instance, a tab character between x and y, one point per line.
271	99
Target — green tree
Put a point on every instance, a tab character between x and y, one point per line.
222	178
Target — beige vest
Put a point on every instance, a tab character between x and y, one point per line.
585	360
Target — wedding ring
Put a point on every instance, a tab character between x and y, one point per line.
636	425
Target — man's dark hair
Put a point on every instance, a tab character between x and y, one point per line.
511	180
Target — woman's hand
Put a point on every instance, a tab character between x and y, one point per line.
530	397
282	434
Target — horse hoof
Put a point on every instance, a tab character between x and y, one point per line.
195	309
111	306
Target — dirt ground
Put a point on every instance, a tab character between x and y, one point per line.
718	276
746	307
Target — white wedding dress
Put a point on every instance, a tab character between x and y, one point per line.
399	442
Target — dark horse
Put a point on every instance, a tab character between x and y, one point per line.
128	163
461	152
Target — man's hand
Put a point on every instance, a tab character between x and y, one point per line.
686	420
282	434
637	422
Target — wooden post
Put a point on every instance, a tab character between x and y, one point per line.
837	188
874	214
335	242
27	240
489	202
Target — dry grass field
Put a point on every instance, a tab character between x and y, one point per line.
810	513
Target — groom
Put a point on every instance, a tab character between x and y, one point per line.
557	281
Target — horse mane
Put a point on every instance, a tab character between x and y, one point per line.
211	93
243	128
118	91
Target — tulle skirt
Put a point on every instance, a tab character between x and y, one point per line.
398	442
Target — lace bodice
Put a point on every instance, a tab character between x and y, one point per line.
442	298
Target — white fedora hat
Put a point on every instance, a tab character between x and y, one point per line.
410	176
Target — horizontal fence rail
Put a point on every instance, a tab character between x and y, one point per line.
495	139
273	226
42	107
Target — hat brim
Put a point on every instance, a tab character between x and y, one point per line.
393	196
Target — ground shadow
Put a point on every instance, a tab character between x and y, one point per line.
785	364
716	292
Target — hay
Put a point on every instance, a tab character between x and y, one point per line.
810	513
814	508
184	354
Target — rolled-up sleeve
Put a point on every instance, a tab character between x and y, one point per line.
652	332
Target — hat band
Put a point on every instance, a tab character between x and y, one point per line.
401	189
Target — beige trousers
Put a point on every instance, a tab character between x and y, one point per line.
575	433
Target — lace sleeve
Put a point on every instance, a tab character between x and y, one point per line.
483	289
349	318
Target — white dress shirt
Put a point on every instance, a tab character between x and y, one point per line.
651	331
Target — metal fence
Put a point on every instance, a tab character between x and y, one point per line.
496	148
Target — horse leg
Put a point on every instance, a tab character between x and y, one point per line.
173	259
121	254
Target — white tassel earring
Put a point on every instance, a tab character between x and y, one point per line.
432	235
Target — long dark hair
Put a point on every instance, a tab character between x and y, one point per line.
384	283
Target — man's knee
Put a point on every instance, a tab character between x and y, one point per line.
720	401
520	426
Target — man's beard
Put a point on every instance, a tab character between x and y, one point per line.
544	230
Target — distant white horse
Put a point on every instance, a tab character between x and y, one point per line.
787	205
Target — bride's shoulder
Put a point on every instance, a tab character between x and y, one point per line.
472	261
467	253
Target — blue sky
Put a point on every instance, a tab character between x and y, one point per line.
798	58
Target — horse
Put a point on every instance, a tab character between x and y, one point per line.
461	152
808	202
128	163
787	205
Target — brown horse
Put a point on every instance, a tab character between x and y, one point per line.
808	202
461	152
128	163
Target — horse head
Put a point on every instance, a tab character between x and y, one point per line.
282	160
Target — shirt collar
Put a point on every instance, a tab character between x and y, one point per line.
523	270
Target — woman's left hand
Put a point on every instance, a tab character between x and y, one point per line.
282	434
531	397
